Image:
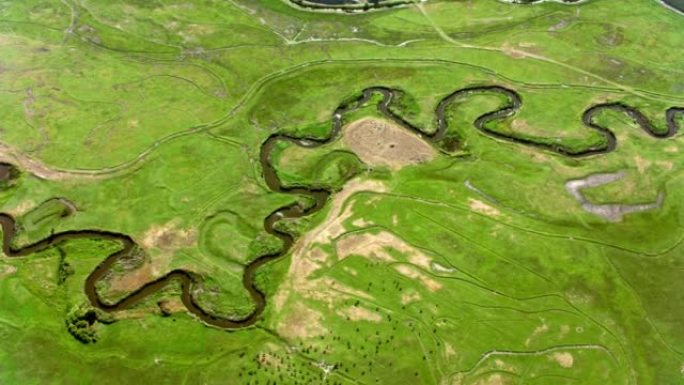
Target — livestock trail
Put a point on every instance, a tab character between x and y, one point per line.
320	195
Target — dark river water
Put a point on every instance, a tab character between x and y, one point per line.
676	4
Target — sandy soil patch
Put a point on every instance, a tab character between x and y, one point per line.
361	223
494	379
165	239
41	170
381	143
564	359
170	306
358	313
564	330
512	51
301	322
449	350
307	257
134	279
7	270
377	245
332	226
439	268
168	237
407	298
367	245
331	292
642	164
22	208
537	331
483	208
413	273
665	164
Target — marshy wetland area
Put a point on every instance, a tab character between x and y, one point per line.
444	192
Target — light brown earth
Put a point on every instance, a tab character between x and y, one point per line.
381	143
366	244
358	313
376	246
537	331
22	208
172	305
301	322
307	257
449	350
564	359
168	237
7	270
483	208
39	169
161	242
413	273
407	298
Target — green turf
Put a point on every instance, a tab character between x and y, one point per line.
475	268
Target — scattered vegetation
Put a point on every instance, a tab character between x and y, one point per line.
477	267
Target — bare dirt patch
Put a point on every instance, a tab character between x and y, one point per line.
43	171
537	331
512	51
134	279
377	245
307	256
7	270
301	322
407	298
413	273
449	350
332	226
22	208
494	379
641	163
163	241
483	208
168	237
358	313
367	245
172	305
564	359
381	143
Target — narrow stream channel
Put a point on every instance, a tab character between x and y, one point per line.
320	195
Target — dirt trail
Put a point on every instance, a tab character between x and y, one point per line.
41	170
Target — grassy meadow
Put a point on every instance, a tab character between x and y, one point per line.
476	268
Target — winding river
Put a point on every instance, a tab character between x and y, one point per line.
320	195
356	6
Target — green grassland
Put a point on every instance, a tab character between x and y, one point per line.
477	267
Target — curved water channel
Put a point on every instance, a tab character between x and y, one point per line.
361	6
320	195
